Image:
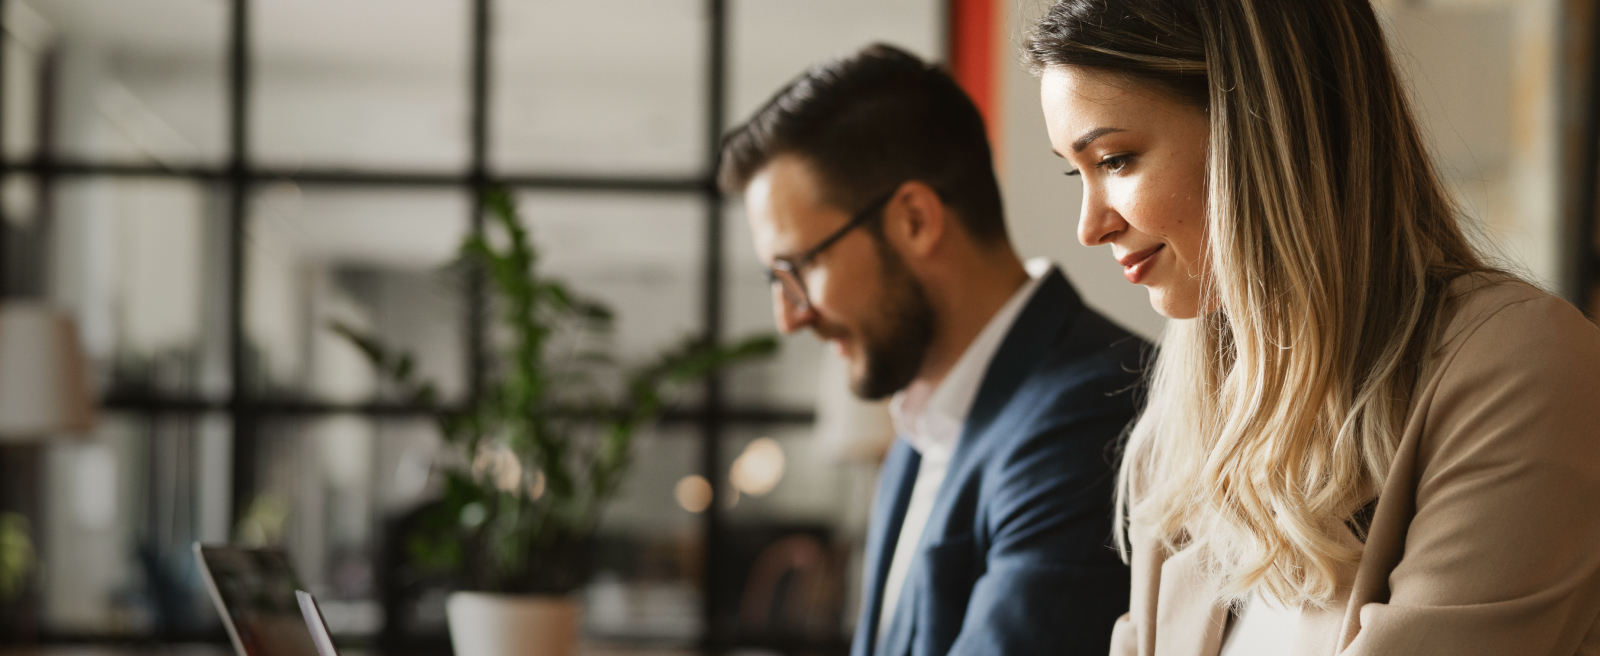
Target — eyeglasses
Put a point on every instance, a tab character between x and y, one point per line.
785	272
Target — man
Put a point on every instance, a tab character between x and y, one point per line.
872	198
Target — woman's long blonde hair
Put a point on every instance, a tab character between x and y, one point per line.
1273	418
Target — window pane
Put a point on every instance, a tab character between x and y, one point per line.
773	41
600	87
374	260
799	514
141	262
361	83
331	490
638	253
648	560
20	96
135	82
121	510
334	490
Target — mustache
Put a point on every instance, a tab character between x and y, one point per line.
826	331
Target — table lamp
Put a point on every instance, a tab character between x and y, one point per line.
44	382
44	392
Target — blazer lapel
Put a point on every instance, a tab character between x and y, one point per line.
1191	620
897	639
1053	304
1035	329
895	481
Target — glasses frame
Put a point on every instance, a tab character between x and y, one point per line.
786	273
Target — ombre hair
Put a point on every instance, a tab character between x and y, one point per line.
1273	418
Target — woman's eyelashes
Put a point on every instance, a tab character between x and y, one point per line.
1113	163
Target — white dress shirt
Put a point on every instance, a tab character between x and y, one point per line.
931	419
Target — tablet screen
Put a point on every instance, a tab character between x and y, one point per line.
254	591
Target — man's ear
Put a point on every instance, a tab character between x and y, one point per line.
916	219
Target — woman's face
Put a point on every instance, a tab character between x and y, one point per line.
1142	159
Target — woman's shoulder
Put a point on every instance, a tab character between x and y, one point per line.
1498	334
1500	313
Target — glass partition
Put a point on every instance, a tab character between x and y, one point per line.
369	84
377	261
126	82
622	94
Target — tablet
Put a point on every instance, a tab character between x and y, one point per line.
253	590
315	624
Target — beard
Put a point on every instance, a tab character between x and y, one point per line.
895	340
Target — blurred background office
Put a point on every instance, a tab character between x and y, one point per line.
202	186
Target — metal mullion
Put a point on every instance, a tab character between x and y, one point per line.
240	411
713	420
72	168
37	286
353	177
746	416
477	184
696	185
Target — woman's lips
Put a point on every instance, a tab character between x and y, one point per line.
1135	266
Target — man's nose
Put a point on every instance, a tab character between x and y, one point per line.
790	315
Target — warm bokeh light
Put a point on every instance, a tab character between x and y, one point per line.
693	493
759	468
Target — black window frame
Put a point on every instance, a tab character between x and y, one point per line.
239	175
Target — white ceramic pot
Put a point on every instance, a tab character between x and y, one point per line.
487	624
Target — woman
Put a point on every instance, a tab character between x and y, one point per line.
1360	438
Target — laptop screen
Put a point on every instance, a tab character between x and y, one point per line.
254	592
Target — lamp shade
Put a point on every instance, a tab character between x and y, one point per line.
44	383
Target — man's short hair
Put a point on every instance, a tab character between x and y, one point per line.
869	122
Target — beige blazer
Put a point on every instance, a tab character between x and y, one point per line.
1486	536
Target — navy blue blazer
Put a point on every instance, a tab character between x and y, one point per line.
1016	556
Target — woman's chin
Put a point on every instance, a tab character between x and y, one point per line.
1173	306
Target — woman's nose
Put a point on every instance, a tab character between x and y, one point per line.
1098	223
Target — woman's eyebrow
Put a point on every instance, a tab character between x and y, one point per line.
1089	137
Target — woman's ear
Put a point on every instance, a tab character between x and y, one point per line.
916	220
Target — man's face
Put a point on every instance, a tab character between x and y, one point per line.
863	300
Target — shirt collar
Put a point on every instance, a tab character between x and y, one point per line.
931	419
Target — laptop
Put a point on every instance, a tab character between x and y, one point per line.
254	591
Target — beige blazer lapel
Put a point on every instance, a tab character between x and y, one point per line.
1192	621
1190	618
1386	537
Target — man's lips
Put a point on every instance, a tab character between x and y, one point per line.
1136	265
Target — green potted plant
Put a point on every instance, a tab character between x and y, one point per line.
16	555
535	458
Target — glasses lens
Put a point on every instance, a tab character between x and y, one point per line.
793	291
